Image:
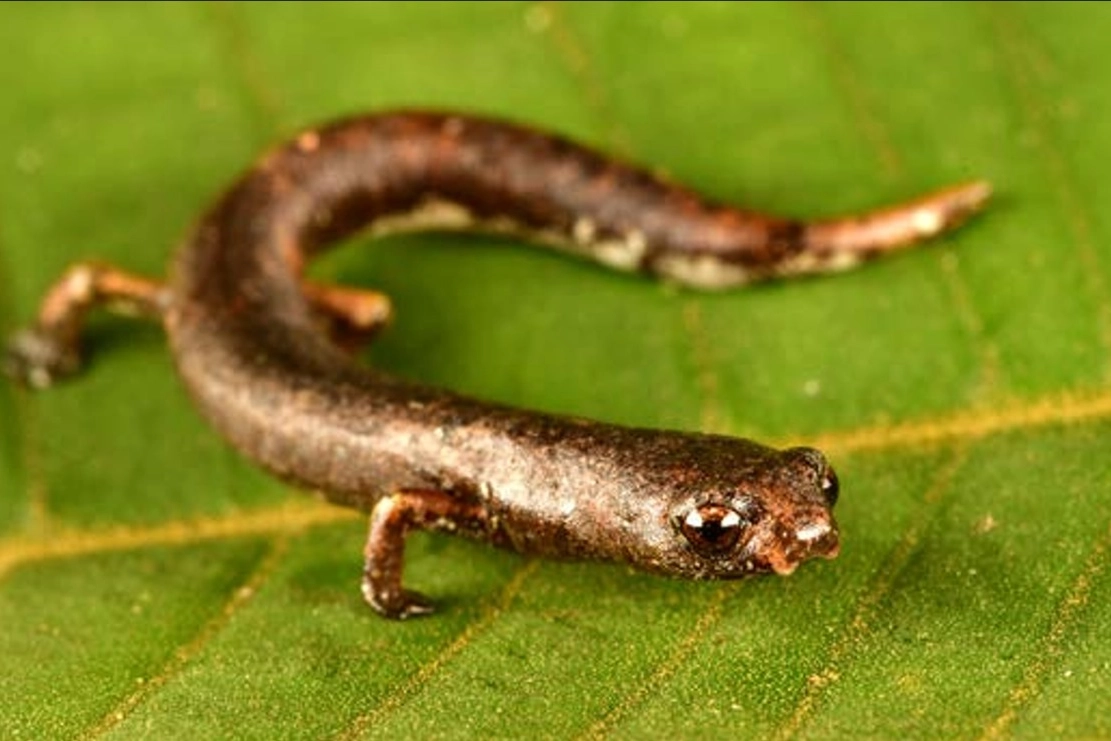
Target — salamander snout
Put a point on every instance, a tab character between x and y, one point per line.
808	491
813	537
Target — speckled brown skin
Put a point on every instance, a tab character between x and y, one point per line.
245	334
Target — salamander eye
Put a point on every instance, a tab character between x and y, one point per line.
712	529
830	487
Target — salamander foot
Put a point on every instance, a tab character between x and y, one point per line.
396	605
39	359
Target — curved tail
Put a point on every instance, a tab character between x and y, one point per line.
888	229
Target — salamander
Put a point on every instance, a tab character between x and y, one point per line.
266	355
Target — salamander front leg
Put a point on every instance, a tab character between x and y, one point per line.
50	349
390	522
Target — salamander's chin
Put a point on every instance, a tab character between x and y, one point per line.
784	568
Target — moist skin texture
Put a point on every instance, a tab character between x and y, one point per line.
250	341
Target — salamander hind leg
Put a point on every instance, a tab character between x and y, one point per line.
354	316
50	349
391	520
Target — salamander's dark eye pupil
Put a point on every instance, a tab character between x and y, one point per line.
712	529
830	487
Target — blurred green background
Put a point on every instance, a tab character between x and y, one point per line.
152	584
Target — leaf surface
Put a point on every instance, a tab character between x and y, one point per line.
153	584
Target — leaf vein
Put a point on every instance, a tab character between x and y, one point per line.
295	515
712	416
422	676
1015	49
856	631
1010	416
847	84
1048	652
664	670
184	654
876	134
567	45
257	95
289	517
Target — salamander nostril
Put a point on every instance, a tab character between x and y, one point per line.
812	531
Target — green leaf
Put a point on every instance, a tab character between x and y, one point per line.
153	584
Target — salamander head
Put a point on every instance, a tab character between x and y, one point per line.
777	515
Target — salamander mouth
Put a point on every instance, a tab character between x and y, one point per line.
810	541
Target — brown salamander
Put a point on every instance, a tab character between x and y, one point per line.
245	329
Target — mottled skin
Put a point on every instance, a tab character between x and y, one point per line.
245	331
